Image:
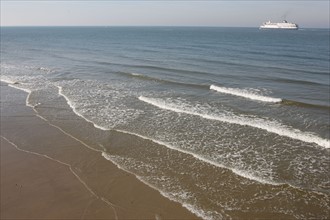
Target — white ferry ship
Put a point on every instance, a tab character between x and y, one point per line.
280	25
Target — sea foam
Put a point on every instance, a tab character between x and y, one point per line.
238	172
8	81
72	106
234	170
245	94
270	126
16	86
192	208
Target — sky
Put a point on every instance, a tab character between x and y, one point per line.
234	13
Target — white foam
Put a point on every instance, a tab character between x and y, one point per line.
7	81
191	208
22	89
60	92
241	173
136	74
270	126
44	69
245	94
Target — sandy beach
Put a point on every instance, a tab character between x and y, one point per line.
47	173
162	122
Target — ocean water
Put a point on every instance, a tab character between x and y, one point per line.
230	122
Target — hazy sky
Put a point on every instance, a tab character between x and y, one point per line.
306	13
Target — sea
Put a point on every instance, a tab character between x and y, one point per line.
229	122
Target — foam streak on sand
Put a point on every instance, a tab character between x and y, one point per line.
273	127
12	84
48	157
71	170
6	81
245	94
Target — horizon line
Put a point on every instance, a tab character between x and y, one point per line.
173	26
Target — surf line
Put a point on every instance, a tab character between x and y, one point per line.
108	157
189	207
104	154
238	172
68	102
60	92
70	167
279	130
244	94
39	116
198	157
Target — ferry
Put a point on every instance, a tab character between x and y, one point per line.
280	25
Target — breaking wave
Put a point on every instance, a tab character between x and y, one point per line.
270	126
245	94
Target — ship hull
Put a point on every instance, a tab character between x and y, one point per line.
287	28
280	25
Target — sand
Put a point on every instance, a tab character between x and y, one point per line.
48	174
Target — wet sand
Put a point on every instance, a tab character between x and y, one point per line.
33	186
46	173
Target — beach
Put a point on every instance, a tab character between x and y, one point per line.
166	122
43	176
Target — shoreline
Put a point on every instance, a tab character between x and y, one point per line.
121	194
131	115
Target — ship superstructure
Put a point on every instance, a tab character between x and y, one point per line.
279	25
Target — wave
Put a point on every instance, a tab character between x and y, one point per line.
297	81
150	78
8	81
168	69
45	69
199	157
234	170
253	96
303	104
105	155
245	94
270	126
259	66
153	67
136	74
241	173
